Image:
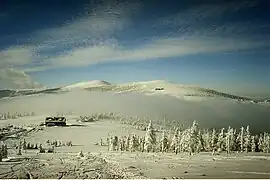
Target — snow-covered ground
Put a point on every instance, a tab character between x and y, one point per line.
209	112
131	100
99	163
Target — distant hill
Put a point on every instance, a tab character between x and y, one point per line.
157	87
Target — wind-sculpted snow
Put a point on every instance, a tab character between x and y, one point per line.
209	113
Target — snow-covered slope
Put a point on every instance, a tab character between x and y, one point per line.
160	87
157	87
87	84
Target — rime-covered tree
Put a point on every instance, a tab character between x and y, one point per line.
266	144
4	151
142	142
247	140
200	142
207	140
127	141
20	149
234	140
253	144
150	138
229	139
221	140
110	145
214	140
133	145
193	137
175	139
164	142
113	143
241	139
80	154
260	143
24	145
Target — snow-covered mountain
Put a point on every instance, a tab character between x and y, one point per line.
86	84
157	87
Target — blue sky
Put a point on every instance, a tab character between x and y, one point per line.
217	44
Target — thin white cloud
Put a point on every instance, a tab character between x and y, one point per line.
162	48
97	28
16	56
16	79
95	24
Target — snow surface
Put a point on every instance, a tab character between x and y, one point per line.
131	100
87	84
98	162
209	113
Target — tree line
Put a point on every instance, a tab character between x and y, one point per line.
192	140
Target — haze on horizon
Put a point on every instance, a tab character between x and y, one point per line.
219	44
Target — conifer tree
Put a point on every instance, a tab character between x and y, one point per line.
164	142
260	143
267	144
234	140
1	157
133	144
111	144
207	140
20	149
150	138
193	137
247	140
24	145
200	143
253	144
142	142
174	141
4	151
241	139
214	140
127	143
221	140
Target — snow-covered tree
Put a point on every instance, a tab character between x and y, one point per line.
142	142
174	141
4	151
127	141
20	149
234	140
133	144
150	138
113	143
24	145
229	140
241	139
164	142
260	143
80	154
266	144
193	137
122	144
200	143
214	140
247	140
221	141
253	144
207	140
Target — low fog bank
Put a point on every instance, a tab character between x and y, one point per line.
209	113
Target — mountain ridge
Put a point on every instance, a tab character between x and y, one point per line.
154	87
